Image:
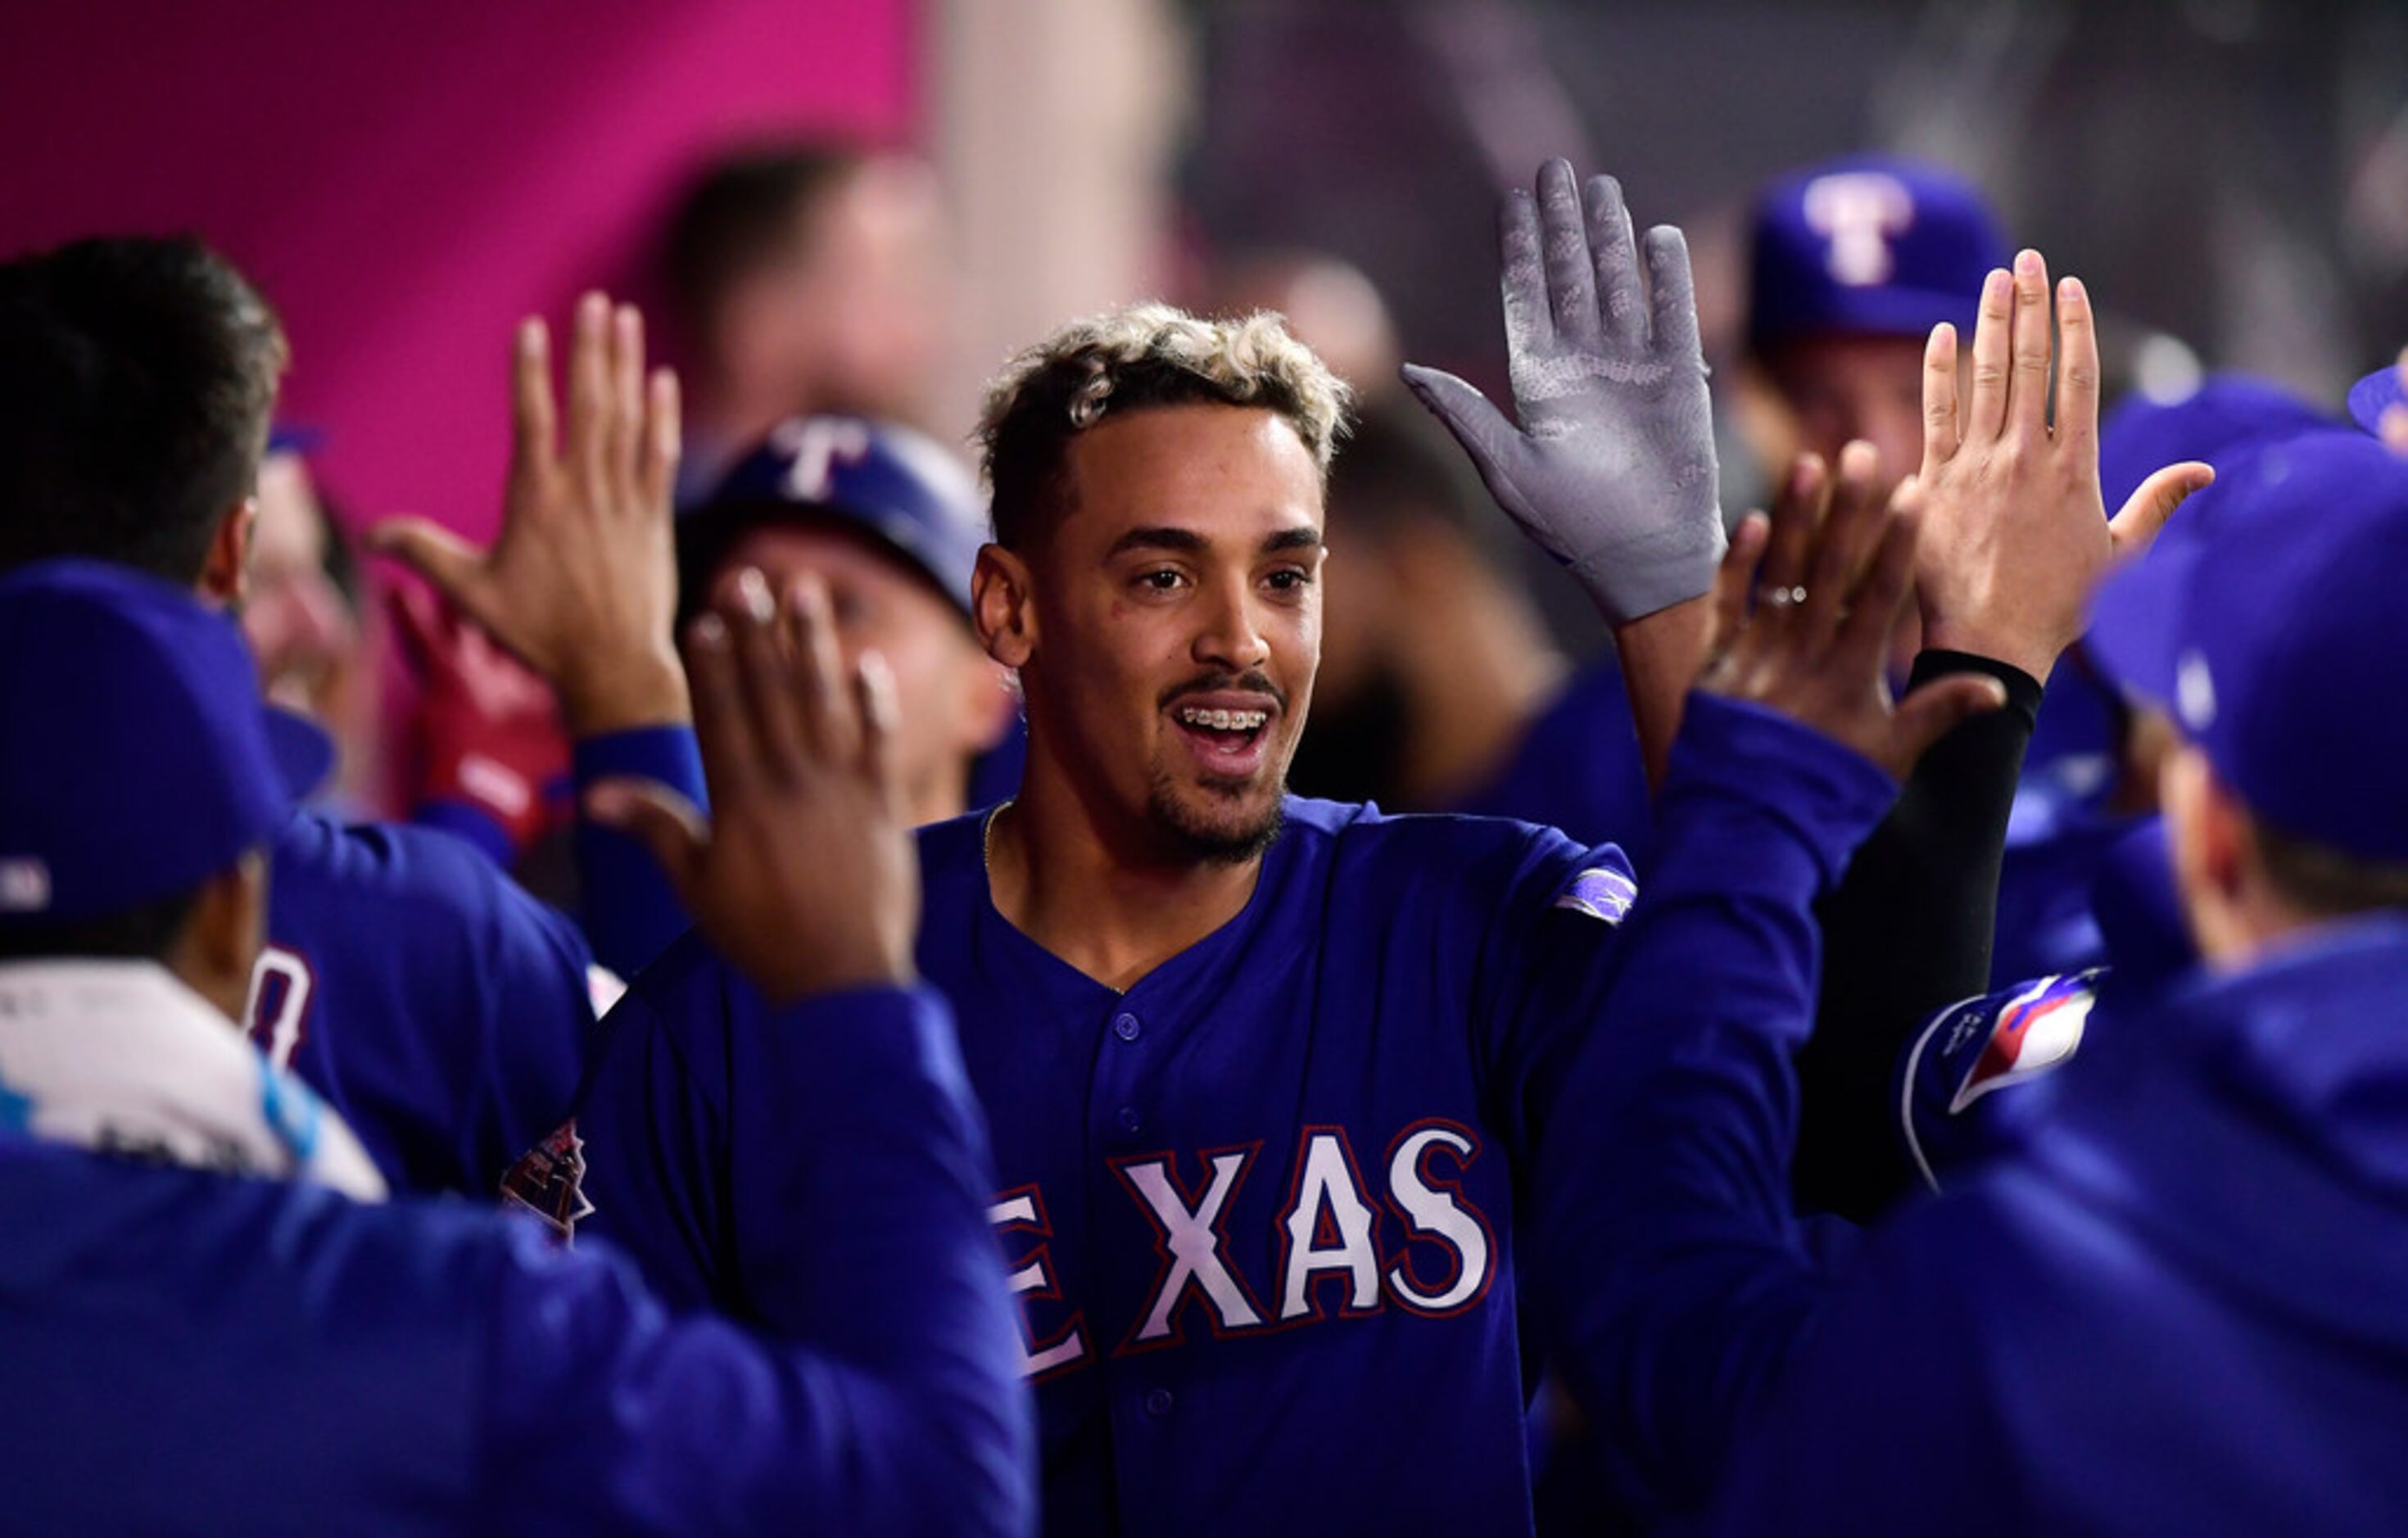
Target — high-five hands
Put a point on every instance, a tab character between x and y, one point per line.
2015	534
1612	468
803	876
581	584
1804	604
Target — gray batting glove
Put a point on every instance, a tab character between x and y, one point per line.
1612	471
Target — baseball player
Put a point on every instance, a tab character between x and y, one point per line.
216	1325
442	1011
1852	262
889	520
2173	1313
1269	1079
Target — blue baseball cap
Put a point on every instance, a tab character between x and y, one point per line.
2370	396
140	760
2273	635
899	488
1868	245
2227	417
2069	767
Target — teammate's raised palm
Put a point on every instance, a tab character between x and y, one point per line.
2015	532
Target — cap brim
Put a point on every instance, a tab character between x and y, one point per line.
304	754
2136	626
2370	396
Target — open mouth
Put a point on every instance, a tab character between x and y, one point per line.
1227	740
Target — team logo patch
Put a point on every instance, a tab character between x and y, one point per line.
1599	893
549	1182
2038	1028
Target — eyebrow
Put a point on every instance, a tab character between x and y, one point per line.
1303	537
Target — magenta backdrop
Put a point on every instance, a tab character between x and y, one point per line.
406	180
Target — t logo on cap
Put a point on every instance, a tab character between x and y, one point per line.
1858	213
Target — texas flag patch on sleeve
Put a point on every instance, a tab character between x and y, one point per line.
1601	893
1970	1051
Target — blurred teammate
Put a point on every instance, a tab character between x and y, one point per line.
302	617
200	1277
891	524
2092	768
442	1011
1853	262
2201	1244
804	278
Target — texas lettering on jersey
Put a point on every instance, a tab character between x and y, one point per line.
1413	1241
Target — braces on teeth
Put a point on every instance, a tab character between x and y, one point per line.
1227	720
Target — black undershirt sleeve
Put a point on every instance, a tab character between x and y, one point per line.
1906	933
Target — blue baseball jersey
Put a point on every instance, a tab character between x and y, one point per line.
184	1351
444	1012
1578	767
1261	1212
2178	1311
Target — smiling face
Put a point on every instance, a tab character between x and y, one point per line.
1168	623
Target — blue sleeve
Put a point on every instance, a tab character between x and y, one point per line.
893	1402
445	1012
1888	1419
537	1029
471	825
1667	1268
1543	963
631	913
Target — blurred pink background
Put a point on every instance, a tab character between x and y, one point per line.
406	181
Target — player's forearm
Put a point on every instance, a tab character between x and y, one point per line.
856	1132
1661	657
604	1411
1907	934
1664	1268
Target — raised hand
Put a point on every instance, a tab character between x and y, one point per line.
1804	605
1612	471
803	876
2015	532
581	584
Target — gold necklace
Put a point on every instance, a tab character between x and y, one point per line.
986	840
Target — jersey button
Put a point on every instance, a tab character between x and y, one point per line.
1158	1404
1126	1026
1129	1119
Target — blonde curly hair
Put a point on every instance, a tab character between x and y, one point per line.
1126	360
